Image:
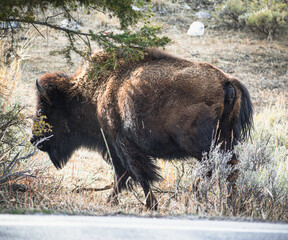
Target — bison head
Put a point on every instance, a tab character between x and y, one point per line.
52	130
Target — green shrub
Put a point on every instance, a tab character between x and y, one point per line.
13	142
12	122
268	21
230	12
267	16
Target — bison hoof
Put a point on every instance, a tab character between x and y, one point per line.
113	199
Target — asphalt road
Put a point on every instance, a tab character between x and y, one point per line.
38	227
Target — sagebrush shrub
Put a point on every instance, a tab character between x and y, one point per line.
14	144
261	188
268	16
268	21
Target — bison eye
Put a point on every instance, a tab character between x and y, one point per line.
40	112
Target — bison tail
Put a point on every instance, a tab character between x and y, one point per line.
244	122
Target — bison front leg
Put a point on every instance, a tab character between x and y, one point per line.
119	184
120	179
141	168
151	201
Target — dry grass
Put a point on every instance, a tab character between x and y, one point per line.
260	64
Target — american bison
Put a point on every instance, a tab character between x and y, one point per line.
161	106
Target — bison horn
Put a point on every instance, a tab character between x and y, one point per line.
42	91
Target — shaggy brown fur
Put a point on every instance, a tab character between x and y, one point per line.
159	107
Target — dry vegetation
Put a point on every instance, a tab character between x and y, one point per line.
262	186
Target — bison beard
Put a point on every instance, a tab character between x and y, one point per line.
159	107
60	155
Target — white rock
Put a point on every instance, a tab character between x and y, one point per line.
135	8
202	14
186	6
70	24
196	29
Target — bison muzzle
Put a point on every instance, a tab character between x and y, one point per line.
161	106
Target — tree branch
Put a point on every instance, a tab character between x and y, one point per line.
50	26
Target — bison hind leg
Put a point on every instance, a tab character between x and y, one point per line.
196	137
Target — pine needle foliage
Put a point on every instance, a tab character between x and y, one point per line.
18	15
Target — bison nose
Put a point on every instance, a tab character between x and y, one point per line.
34	140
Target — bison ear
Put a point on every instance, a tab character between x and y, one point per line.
42	91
